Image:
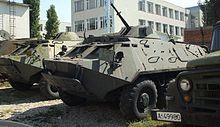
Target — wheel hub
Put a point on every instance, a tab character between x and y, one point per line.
144	99
53	88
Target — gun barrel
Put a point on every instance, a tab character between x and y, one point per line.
122	19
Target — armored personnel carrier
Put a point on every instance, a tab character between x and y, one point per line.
132	67
195	96
23	67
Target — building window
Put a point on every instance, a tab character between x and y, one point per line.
102	3
111	21
102	23
142	22
151	24
90	4
105	20
177	30
92	24
141	5
165	27
171	29
177	15
79	26
193	21
182	31
68	29
181	16
171	13
164	11
158	27
158	9
150	7
79	5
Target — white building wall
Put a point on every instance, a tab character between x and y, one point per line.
21	19
129	10
86	14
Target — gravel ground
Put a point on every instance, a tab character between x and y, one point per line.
32	109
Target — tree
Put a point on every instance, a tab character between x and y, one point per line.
52	24
34	17
208	12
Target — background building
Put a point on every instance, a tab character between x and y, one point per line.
14	18
63	27
217	10
97	17
201	36
195	17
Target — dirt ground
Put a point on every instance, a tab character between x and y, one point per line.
31	108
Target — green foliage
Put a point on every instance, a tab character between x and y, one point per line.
52	24
207	8
34	17
150	123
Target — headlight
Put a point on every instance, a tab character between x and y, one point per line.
185	85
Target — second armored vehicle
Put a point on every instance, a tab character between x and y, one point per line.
23	67
132	67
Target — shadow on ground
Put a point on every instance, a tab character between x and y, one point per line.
91	114
9	95
86	115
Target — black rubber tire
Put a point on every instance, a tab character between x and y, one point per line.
130	100
20	86
69	99
48	90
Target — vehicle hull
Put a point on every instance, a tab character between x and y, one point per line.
19	72
82	81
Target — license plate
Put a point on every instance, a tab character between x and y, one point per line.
169	116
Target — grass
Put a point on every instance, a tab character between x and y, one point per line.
150	123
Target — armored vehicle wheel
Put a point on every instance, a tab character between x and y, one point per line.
136	100
19	86
48	90
69	99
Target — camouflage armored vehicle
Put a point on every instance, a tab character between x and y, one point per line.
195	96
23	67
7	46
131	67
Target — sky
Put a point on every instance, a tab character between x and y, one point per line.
63	7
